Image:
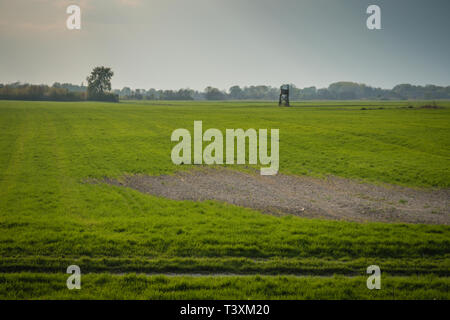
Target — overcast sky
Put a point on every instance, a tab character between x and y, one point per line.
170	44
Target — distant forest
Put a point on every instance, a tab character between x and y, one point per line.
335	91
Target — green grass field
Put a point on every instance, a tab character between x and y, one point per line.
50	217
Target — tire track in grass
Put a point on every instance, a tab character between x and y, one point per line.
15	155
16	176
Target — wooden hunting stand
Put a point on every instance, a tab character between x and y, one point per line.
284	95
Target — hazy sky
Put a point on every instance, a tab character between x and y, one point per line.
172	44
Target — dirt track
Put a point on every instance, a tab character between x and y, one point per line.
332	198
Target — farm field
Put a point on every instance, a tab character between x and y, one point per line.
131	244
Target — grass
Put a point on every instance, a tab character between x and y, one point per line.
51	218
132	286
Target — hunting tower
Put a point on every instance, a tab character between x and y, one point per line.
284	95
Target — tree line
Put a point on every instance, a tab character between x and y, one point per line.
99	88
25	91
336	91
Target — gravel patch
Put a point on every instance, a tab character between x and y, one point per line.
330	198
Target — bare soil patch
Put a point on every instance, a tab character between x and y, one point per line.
330	198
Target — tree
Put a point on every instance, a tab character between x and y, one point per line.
345	90
214	94
99	85
236	93
125	92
